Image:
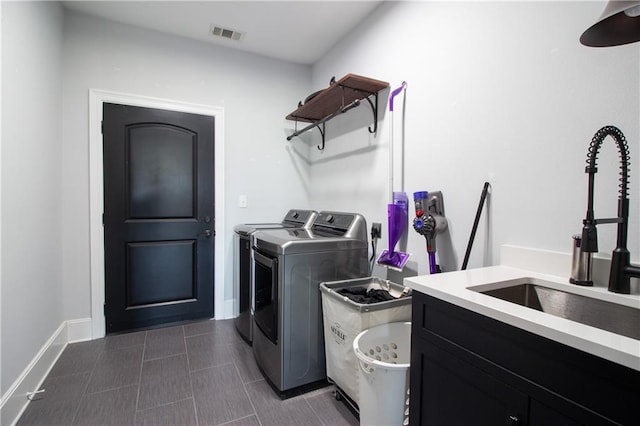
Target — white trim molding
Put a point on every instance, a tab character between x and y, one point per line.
14	401
96	196
79	330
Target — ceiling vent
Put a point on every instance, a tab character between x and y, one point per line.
228	33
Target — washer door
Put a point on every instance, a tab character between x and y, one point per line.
265	281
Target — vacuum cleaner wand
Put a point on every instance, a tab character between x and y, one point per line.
398	210
429	221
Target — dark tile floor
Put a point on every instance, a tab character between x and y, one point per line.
201	373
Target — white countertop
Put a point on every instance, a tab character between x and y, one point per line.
453	287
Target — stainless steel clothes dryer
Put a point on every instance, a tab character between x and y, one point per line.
289	265
242	263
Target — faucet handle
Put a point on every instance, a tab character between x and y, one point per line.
589	243
581	264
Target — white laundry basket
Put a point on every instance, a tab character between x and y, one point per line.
384	354
344	319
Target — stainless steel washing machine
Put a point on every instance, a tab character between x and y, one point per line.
242	263
289	265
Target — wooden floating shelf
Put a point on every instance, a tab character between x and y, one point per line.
338	98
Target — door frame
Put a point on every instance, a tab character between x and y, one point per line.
96	194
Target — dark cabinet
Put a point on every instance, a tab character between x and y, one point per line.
455	392
540	414
468	369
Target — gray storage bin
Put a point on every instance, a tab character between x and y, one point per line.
344	319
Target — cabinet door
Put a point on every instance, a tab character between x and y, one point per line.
446	390
543	415
470	369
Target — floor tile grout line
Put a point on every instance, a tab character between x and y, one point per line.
86	386
238	419
109	390
244	387
195	409
166	404
82	395
199	334
254	381
144	349
313	409
211	366
193	393
165	356
113	387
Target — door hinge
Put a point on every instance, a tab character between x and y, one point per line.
104	309
102	127
102	219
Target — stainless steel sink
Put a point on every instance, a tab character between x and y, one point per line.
613	317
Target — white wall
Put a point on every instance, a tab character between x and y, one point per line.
50	60
31	285
255	92
500	92
497	91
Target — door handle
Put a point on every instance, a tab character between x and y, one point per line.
207	233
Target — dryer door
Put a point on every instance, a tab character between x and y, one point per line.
265	283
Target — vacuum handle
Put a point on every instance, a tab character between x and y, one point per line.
475	225
395	93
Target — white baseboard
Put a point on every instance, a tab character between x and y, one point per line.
79	330
14	401
229	310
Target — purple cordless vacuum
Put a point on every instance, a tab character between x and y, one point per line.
397	215
429	221
398	210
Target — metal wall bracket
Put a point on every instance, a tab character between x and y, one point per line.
322	132
374	109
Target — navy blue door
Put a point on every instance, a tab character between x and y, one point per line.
158	216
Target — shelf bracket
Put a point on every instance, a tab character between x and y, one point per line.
322	131
323	121
375	114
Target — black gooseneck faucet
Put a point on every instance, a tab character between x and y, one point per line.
621	268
